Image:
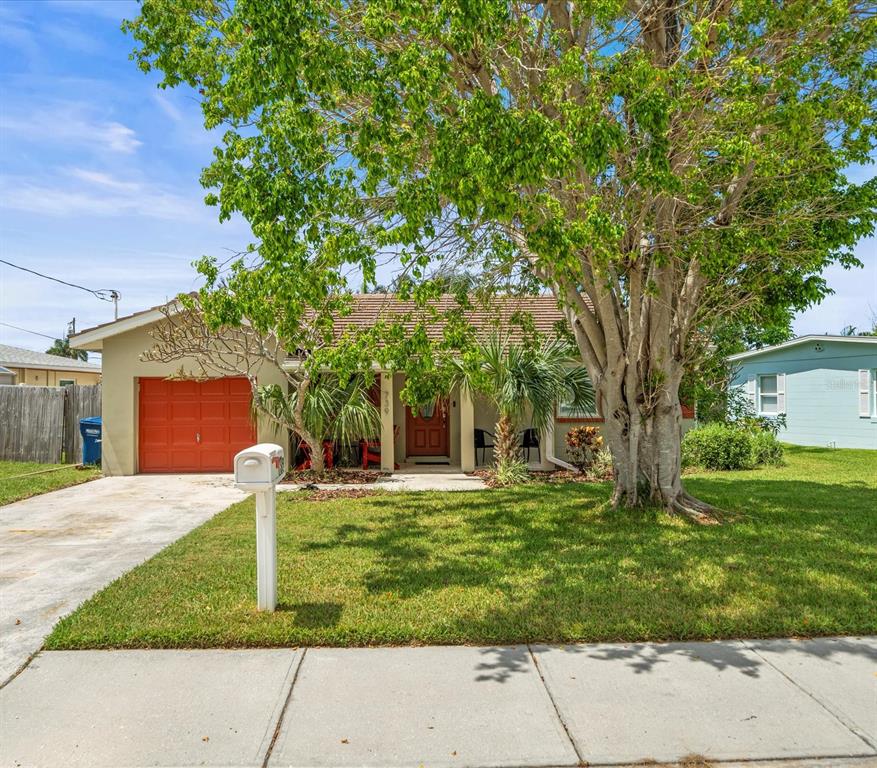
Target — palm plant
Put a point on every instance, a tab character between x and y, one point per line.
331	409
519	378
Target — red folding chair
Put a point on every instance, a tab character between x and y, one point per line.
371	450
328	455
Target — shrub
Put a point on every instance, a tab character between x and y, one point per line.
730	446
601	466
766	449
514	472
717	446
582	446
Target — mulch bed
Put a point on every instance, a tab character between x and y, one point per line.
328	494
345	476
555	476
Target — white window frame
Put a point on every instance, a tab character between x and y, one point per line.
65	382
780	394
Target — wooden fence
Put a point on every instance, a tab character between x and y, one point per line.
42	423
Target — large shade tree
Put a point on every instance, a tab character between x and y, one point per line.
658	164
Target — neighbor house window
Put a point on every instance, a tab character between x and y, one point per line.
65	382
767	394
771	394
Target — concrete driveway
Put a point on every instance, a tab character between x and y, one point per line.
60	548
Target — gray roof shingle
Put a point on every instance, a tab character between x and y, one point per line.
17	357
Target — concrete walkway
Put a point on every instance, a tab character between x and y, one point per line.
417	480
810	703
59	548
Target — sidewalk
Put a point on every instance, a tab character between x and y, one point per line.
808	702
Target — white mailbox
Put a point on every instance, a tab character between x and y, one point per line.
259	467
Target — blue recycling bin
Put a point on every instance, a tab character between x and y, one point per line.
90	430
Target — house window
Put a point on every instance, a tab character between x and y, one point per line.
566	411
65	382
768	394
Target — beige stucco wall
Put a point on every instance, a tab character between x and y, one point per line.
561	428
122	369
43	377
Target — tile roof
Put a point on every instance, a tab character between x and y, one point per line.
372	307
369	308
17	357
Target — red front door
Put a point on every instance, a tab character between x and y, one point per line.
426	431
193	426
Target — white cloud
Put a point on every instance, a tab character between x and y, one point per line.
103	179
168	107
94	193
70	124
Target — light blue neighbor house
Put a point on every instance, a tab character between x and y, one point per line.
825	385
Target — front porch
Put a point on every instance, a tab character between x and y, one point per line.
441	439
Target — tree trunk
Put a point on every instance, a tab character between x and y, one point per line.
643	431
314	442
506	448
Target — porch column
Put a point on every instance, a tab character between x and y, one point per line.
388	448
467	431
546	446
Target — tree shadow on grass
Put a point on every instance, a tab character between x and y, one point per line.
560	565
313	615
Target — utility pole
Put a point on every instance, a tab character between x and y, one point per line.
71	328
115	296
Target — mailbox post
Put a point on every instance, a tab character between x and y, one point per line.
258	470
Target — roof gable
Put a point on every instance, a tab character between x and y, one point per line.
811	338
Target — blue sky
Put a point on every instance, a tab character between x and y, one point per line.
99	179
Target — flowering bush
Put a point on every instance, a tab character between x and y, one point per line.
582	445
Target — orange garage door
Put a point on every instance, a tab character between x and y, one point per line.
193	426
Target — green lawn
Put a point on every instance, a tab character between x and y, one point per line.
21	479
537	563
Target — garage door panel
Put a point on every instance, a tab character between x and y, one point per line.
215	411
157	460
184	389
184	410
215	434
173	414
239	411
155	435
217	458
153	388
215	388
241	434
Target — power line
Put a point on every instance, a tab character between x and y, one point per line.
104	294
35	333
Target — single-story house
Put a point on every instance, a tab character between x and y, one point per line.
825	386
152	424
44	370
